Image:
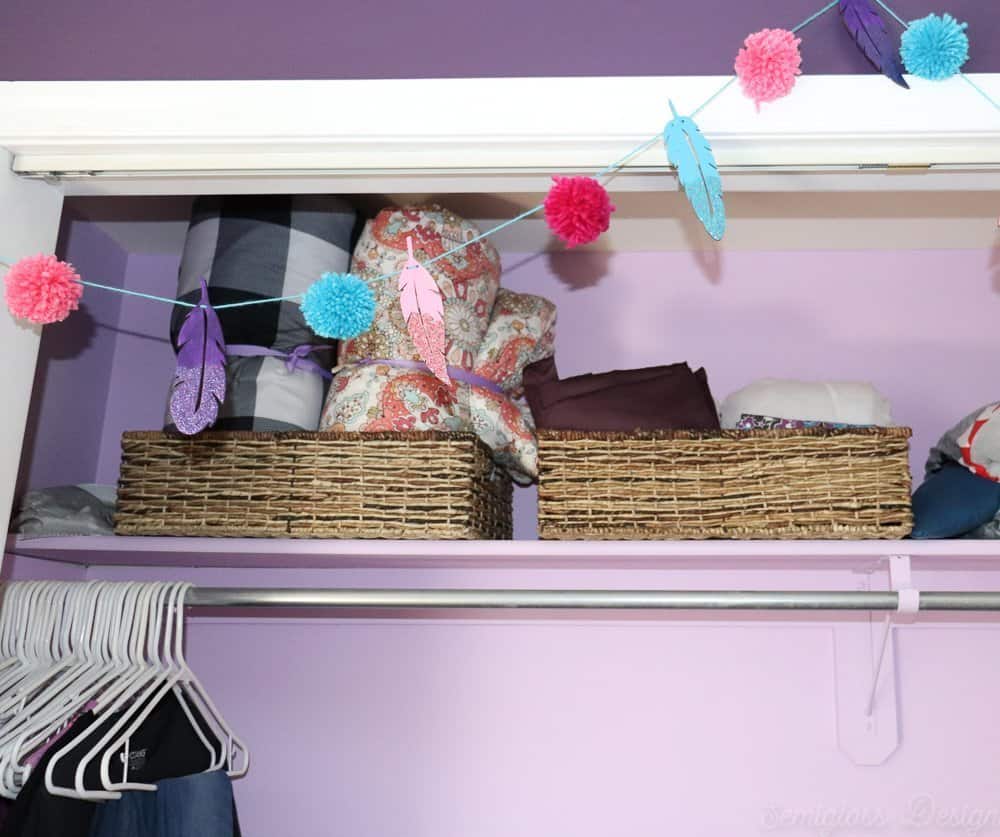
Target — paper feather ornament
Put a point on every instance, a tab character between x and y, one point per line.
866	26
423	310
200	380
690	153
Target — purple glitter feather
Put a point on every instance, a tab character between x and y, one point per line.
194	403
865	24
200	380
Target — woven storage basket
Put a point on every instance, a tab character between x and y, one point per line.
731	484
312	485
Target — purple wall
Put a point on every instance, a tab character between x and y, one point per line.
143	361
879	316
246	39
66	419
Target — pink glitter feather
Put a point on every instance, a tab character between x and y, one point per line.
423	309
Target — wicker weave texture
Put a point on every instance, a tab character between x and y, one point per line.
312	485
779	484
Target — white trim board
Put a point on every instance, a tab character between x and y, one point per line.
476	134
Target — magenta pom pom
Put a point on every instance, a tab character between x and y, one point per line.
578	209
42	289
768	64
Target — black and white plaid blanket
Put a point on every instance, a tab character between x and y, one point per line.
255	247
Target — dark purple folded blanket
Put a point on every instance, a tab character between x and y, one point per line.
656	398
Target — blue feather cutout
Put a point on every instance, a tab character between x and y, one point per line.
690	153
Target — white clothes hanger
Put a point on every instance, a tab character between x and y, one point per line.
42	636
23	595
113	648
43	715
47	705
137	702
187	683
132	680
92	669
132	706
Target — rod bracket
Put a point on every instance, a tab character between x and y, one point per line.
865	670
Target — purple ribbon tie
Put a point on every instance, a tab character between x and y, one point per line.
456	373
296	359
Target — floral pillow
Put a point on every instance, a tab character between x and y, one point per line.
468	279
492	333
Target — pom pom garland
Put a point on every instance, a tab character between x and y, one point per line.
768	64
935	47
578	209
42	289
339	306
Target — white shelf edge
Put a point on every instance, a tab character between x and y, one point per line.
140	546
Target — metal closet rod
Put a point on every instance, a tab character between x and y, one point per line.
280	597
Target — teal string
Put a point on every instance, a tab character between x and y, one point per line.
127	292
621	161
464	244
713	97
813	17
247	302
899	20
979	90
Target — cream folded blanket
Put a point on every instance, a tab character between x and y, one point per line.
843	402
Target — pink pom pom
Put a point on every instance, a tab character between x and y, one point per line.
578	209
42	289
768	64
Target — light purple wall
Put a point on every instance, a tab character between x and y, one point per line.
919	324
24	568
246	39
143	359
63	437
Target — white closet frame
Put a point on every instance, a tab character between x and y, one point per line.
445	136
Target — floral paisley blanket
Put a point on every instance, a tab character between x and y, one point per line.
492	334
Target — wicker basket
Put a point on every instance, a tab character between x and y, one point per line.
849	484
312	485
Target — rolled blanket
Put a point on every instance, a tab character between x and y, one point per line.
492	334
256	247
837	402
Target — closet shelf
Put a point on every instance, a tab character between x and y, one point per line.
331	554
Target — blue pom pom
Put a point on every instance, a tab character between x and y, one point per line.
935	47
338	305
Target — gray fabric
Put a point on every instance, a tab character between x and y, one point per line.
947	447
264	396
66	510
987	532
